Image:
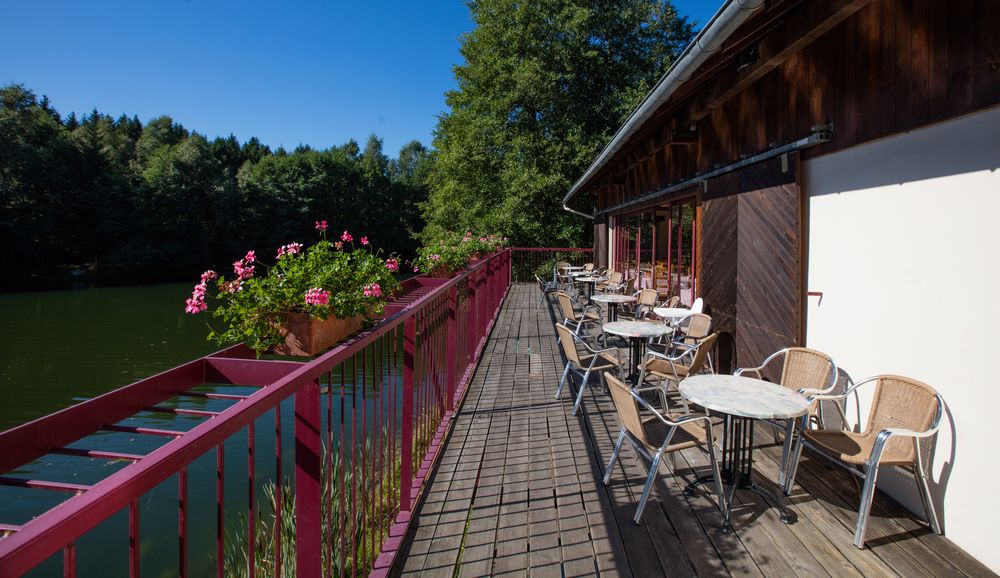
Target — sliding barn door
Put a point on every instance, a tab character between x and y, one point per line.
751	247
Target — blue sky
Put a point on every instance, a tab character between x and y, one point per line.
308	71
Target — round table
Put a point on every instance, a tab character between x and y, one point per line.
673	315
590	280
742	400
612	299
639	333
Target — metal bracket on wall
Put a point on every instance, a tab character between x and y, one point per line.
816	294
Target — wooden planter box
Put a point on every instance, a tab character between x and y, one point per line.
306	336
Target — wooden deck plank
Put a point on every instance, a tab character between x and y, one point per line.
518	492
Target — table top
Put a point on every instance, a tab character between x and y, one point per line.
743	396
613	298
674	313
636	329
575	268
591	279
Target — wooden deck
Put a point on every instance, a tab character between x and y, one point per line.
518	491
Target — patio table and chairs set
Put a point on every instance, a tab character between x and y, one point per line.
655	360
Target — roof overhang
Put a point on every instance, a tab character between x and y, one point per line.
708	41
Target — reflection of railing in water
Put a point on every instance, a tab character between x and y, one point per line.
415	366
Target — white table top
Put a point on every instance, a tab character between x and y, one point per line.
636	329
674	313
575	268
743	396
591	279
613	298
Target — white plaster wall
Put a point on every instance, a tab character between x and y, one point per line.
903	242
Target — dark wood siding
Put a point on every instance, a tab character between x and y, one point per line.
891	66
751	260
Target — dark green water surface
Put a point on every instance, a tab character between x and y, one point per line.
57	347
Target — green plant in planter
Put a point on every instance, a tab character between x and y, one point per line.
452	251
326	279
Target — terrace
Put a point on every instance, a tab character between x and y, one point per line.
430	445
518	490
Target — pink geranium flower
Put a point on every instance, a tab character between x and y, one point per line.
243	269
364	240
392	265
317	296
251	257
289	249
338	245
373	290
209	276
320	225
346	237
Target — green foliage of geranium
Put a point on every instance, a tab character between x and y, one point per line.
337	278
451	251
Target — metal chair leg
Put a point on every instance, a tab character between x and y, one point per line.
793	466
563	380
716	475
786	448
925	491
614	455
653	468
583	388
865	508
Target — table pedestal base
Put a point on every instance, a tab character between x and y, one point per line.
736	470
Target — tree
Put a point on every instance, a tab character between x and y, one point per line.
543	87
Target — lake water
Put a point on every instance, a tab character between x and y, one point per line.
60	347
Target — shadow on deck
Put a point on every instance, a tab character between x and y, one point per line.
518	490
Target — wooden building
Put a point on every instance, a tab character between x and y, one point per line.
825	173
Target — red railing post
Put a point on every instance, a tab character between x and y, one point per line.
406	452
451	344
308	482
473	317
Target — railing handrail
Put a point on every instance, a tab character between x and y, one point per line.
54	529
564	249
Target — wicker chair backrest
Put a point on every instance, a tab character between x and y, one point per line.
806	368
647	297
628	411
701	354
698	327
568	342
566	306
902	402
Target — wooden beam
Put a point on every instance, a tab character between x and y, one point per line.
811	21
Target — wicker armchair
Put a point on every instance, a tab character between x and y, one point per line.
674	301
903	412
562	276
587	316
672	369
645	300
658	435
690	333
594	360
588	267
613	284
807	371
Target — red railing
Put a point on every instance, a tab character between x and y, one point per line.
527	261
368	420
